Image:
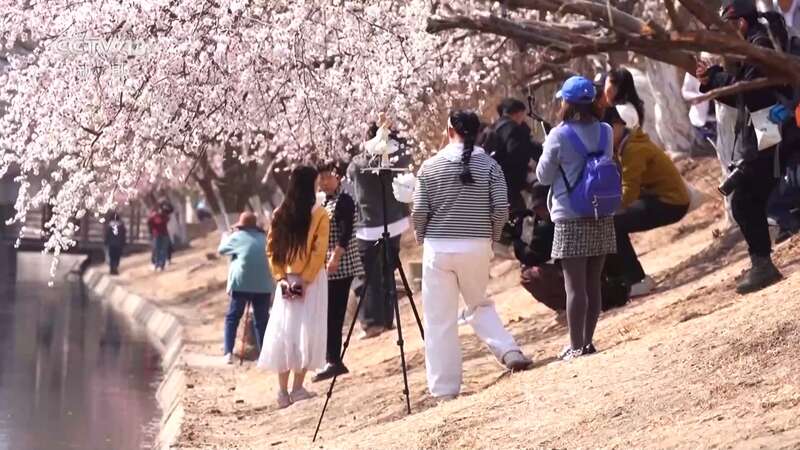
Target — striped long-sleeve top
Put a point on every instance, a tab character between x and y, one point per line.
447	209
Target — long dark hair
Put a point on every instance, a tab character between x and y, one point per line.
292	219
622	79
580	112
467	124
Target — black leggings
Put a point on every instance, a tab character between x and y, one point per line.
647	213
582	280
338	294
749	203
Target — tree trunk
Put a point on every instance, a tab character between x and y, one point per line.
178	230
240	187
670	117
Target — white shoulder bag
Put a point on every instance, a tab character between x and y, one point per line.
768	133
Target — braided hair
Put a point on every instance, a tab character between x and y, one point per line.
466	124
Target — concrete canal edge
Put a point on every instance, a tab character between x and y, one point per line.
166	333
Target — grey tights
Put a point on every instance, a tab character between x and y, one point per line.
582	278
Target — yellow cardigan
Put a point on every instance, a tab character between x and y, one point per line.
309	264
648	170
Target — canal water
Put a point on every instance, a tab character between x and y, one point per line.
73	375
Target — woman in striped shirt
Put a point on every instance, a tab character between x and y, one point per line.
460	207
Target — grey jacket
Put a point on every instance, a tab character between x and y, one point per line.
367	188
559	153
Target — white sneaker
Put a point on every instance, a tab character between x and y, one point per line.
228	358
642	288
462	317
301	394
284	400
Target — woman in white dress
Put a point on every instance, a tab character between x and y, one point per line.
295	340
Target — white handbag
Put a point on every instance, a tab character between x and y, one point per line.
768	133
403	187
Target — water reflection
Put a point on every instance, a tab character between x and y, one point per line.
72	375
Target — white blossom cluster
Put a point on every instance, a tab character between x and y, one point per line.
115	96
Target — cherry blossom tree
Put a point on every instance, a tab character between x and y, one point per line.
103	100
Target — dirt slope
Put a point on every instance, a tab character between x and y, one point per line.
692	366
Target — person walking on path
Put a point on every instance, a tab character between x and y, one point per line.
460	207
344	264
581	242
295	340
249	279
157	223
115	239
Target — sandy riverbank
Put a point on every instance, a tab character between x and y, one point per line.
693	365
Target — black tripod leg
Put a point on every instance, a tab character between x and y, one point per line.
367	276
402	356
396	258
410	295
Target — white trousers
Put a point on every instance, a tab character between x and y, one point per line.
444	277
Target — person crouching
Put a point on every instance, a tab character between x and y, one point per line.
654	195
456	221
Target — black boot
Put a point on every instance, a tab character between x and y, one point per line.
762	274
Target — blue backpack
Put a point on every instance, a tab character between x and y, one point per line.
598	190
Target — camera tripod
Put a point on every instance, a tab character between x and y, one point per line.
383	247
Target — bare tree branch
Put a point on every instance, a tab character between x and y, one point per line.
737	88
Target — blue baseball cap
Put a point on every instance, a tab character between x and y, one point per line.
577	90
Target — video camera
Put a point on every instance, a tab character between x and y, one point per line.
733	180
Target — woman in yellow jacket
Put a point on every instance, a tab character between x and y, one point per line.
653	195
295	340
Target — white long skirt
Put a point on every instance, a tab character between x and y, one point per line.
297	330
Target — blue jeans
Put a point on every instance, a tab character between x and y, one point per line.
160	251
239	300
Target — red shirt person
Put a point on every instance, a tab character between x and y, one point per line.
157	223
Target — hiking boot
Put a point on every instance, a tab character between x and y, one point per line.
643	288
330	371
516	361
589	350
762	274
568	354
